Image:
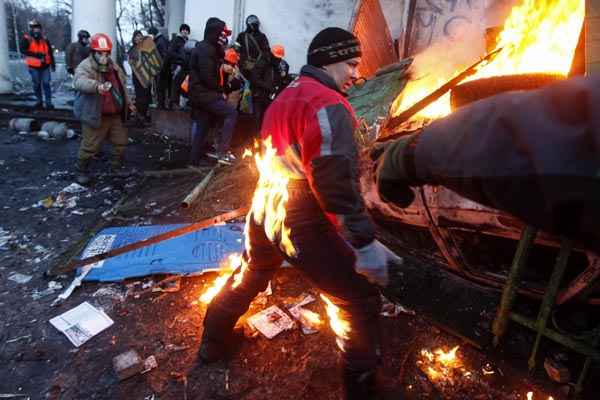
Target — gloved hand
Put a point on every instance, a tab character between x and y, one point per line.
40	56
372	261
71	71
393	182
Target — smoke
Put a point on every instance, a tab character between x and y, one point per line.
450	55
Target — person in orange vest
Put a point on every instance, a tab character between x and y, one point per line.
40	60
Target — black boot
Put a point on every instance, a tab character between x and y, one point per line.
360	385
83	175
212	350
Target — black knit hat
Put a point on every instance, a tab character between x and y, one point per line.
331	46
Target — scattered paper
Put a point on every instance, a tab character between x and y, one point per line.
82	323
309	320
74	188
19	278
271	322
100	244
5	237
149	364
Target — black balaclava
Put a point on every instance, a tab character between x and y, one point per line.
36	32
214	34
252	23
83	37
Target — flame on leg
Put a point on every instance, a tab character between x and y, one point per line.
340	327
233	262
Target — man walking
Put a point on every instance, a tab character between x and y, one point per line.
40	60
101	104
311	126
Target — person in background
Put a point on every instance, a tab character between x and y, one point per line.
207	89
233	79
77	51
254	46
101	105
143	95
255	64
40	61
178	62
281	70
163	79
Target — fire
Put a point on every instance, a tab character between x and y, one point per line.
441	365
340	327
233	261
538	36
310	316
271	196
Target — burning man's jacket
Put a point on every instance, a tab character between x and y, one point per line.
533	154
312	128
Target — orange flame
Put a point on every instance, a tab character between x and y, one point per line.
271	196
538	36
340	327
233	261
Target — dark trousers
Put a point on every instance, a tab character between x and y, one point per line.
143	96
40	78
219	110
178	76
260	105
325	258
163	87
201	125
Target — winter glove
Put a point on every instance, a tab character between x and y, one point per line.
392	175
372	261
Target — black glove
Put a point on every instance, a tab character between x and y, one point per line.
393	179
40	56
71	71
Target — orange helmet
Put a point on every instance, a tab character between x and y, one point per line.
101	42
232	56
278	51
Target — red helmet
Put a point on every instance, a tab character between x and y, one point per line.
232	56
100	42
278	51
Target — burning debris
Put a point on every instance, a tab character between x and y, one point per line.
539	36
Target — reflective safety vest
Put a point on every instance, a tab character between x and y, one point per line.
37	46
185	86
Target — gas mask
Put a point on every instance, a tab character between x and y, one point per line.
37	34
101	58
253	23
222	39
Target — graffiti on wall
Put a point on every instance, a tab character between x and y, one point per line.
452	19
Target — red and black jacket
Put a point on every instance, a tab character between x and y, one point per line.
312	128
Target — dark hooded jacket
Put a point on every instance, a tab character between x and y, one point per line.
255	47
205	62
177	55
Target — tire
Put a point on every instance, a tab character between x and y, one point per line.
469	92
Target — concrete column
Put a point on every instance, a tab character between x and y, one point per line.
175	15
197	12
592	37
5	81
98	16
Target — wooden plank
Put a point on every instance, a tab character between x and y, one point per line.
592	37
